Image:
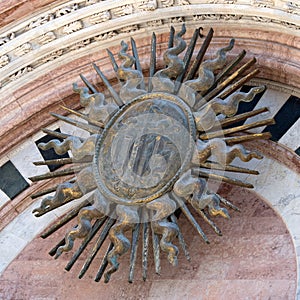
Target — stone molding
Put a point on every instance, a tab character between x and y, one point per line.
66	28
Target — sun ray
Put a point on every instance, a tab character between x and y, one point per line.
137	64
59	173
220	133
241	117
186	59
127	218
58	161
190	217
181	238
238	84
103	235
68	191
223	179
248	137
171	37
206	218
229	68
88	84
156	250
67	218
133	253
229	168
83	116
224	84
152	68
96	227
104	263
87	127
146	233
59	135
112	60
200	55
113	93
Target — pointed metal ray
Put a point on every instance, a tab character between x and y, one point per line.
226	71
60	173
229	204
96	227
59	161
233	181
133	254
195	66
228	168
248	137
56	134
210	222
190	217
113	93
181	238
87	127
103	235
112	60
88	84
47	191
62	161
187	58
234	87
226	82
66	218
230	66
83	116
152	68
211	135
52	252
43	192
156	251
242	117
171	37
104	263
146	231
137	61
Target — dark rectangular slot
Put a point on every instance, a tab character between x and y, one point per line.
12	183
285	118
50	154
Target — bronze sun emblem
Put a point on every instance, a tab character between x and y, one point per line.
154	143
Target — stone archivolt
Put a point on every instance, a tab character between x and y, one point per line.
71	23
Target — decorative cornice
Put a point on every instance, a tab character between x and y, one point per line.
78	25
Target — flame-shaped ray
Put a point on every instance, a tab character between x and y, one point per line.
131	77
127	218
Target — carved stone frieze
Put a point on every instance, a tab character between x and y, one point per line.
94	15
4	60
293	7
47	38
167	3
155	23
148	5
20	73
123	10
50	57
22	50
72	27
128	29
7	38
100	17
263	3
105	36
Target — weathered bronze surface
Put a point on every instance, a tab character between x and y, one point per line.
154	144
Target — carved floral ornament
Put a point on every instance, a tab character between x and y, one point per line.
154	146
